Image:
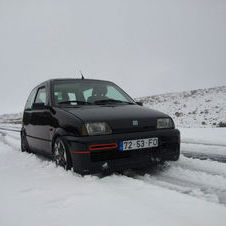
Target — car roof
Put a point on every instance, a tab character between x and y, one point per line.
76	79
70	79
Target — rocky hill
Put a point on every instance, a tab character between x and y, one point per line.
195	108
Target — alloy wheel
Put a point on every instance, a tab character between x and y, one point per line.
60	154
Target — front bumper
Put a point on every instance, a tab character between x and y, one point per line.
91	161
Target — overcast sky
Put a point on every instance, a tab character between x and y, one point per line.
145	46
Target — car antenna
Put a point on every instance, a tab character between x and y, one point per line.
82	75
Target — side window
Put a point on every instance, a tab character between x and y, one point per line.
30	99
41	96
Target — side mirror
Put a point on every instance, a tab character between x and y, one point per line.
38	106
139	103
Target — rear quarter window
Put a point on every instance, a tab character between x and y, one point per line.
41	96
30	99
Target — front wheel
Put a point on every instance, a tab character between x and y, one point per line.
61	154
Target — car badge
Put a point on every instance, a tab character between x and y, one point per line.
135	123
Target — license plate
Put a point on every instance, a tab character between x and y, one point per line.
138	144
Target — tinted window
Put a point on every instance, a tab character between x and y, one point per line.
113	93
88	91
108	92
30	99
41	96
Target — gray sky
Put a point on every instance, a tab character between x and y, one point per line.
145	46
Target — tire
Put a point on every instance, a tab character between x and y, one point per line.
61	155
24	144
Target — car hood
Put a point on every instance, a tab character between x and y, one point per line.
120	117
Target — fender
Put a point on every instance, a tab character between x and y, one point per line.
60	132
63	132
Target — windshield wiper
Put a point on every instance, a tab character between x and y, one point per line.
110	101
79	102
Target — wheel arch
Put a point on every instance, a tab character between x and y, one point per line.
60	132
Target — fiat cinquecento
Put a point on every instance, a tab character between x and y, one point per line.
93	125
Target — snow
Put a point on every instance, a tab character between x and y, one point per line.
209	143
188	192
8	118
209	136
192	109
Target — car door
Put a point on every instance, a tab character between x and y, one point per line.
40	122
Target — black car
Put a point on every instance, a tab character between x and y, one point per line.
93	125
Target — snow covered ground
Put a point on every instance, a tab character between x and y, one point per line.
188	192
195	108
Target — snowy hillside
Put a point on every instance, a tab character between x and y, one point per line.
195	108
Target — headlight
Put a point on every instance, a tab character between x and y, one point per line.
165	123
96	128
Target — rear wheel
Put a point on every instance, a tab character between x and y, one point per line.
61	154
24	143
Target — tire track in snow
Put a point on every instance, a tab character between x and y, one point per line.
207	166
204	143
9	139
9	129
203	151
202	156
12	132
189	180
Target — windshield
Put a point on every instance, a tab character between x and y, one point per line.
87	92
